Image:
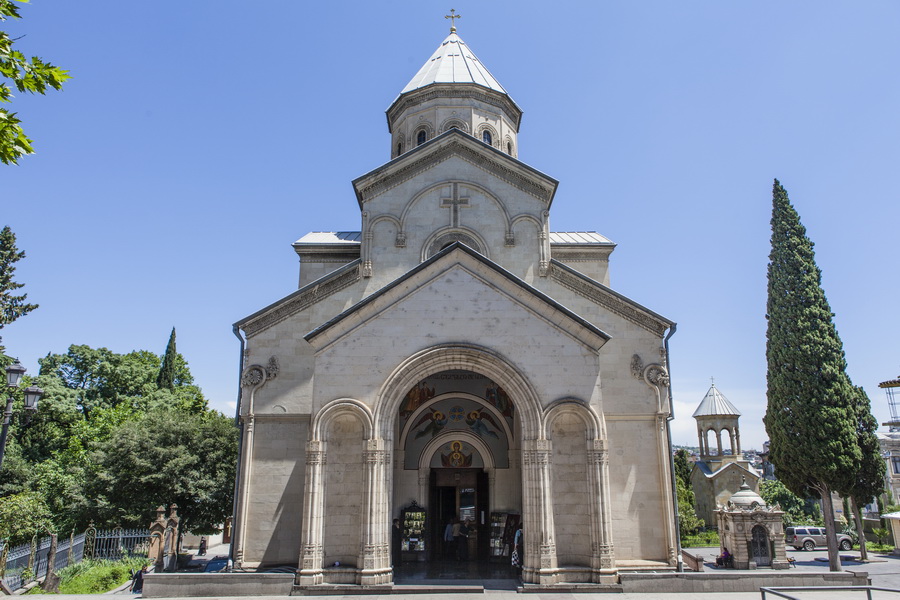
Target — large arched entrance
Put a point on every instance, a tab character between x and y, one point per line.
454	438
456	418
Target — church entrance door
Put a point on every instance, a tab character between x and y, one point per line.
463	495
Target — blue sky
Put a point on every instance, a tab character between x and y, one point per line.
197	140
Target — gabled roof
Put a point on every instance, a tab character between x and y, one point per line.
453	62
715	404
455	143
583	330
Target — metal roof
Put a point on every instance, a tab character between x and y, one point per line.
578	237
453	62
330	237
714	403
556	237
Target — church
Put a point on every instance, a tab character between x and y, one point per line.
454	362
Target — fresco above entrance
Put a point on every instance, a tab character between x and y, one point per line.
456	402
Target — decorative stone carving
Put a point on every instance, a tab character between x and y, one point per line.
637	367
400	242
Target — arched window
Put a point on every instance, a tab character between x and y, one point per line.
399	148
420	138
509	148
486	137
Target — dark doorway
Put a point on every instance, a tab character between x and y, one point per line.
459	494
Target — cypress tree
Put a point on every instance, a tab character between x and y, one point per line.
811	415
166	377
12	306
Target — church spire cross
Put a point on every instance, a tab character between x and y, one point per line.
452	16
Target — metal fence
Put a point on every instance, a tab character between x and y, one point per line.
29	561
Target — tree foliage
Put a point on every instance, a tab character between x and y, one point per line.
811	415
164	457
12	305
22	516
27	75
93	396
797	510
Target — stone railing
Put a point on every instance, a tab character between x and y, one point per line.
694	563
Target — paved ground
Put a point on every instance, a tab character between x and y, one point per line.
884	570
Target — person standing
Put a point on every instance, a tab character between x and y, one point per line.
518	553
137	581
448	538
396	542
464	540
201	551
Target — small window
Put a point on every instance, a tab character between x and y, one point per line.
895	461
509	148
814	531
399	149
420	139
486	137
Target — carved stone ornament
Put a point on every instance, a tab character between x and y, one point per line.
253	376
272	368
657	375
400	242
637	367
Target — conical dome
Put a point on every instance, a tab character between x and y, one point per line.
453	62
715	404
453	90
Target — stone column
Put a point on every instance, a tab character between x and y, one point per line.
719	441
376	556
540	545
603	556
312	556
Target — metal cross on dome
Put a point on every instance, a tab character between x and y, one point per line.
452	16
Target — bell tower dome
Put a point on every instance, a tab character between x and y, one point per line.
453	89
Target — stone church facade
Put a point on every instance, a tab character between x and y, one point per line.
458	356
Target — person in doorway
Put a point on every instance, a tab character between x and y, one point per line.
201	551
396	542
464	531
454	532
448	538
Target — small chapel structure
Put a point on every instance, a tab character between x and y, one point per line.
721	470
454	359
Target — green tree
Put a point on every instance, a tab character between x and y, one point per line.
22	516
166	377
796	509
33	76
688	521
167	456
810	417
683	467
868	481
12	305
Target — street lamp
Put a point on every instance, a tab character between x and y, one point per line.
14	373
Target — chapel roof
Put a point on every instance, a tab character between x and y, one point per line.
453	62
715	404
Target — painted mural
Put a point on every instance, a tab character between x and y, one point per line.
450	403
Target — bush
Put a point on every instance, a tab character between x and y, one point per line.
701	539
96	576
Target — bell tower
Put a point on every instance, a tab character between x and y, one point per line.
453	90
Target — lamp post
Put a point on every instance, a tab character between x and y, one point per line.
14	373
